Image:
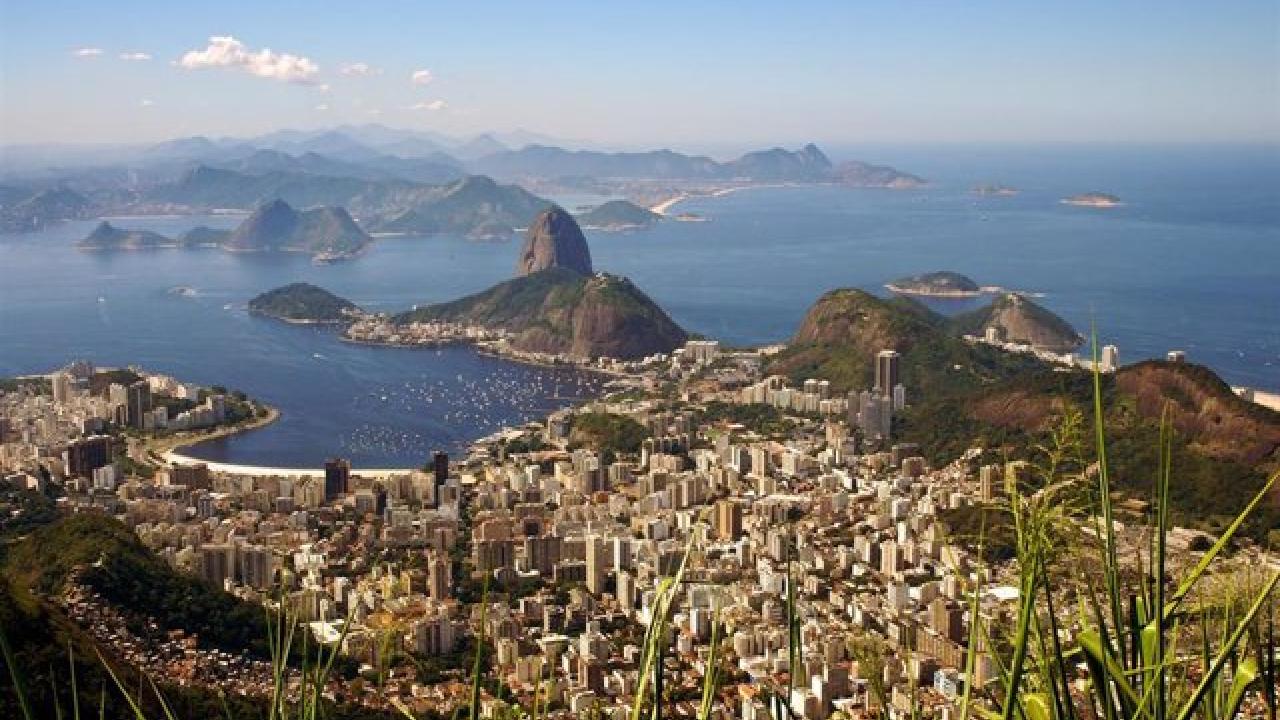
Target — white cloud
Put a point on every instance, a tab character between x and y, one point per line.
87	52
432	105
421	77
323	87
147	103
322	107
359	69
228	52
375	112
136	56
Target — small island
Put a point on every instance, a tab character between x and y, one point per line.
618	215
994	190
109	237
1093	199
329	234
305	304
940	284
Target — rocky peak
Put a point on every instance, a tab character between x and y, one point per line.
554	240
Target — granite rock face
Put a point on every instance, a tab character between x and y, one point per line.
554	240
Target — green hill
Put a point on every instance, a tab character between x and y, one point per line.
841	334
327	231
474	205
618	215
1017	319
1223	450
303	303
561	311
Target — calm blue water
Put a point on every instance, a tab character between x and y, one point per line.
1192	261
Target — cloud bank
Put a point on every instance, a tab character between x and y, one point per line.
228	52
421	77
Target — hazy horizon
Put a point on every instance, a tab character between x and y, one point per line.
706	77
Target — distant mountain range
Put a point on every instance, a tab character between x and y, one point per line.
393	180
808	164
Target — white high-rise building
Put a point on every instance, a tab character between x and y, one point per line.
1110	358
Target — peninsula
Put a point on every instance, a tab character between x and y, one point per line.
556	309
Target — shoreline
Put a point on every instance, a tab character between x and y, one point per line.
175	457
663	207
162	447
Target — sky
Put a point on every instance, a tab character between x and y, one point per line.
642	74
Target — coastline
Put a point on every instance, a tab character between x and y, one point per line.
663	207
162	447
175	457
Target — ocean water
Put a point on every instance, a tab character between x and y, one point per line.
1190	261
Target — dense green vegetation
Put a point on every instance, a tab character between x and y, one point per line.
763	419
116	564
559	310
302	302
618	214
1206	491
607	432
844	330
38	385
100	381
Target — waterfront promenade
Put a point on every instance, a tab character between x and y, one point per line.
176	458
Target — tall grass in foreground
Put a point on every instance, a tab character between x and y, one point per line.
1126	650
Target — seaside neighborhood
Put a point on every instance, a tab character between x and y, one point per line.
548	543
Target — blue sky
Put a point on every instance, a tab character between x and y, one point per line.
642	74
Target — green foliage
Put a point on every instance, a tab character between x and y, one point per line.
116	564
37	385
1207	494
616	213
756	417
608	432
302	301
22	511
100	381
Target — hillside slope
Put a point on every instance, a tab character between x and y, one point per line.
562	311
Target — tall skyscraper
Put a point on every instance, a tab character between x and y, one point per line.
337	478
597	564
137	402
440	466
439	576
1110	358
886	372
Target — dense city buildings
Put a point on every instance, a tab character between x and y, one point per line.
551	542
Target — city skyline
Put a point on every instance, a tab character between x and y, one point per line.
660	75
